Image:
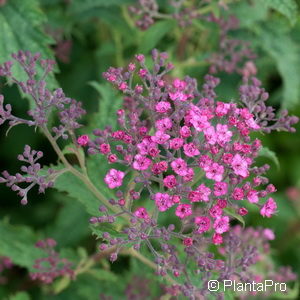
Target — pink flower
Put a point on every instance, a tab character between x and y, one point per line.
104	148
123	86
114	178
210	135
222	109
83	140
203	224
190	150
183	210
223	134
185	131
188	242
189	176
215	172
194	196
141	213
170	181
239	165
164	124
163	201
179	166
238	194
204	192
268	208
222	203
178	96
227	158
215	211
269	234
205	162
163	107
141	162
252	196
217	239
160	137
221	224
242	211
176	143
220	188
179	84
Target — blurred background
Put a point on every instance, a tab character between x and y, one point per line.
86	37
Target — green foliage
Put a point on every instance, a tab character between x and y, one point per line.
285	52
288	8
151	37
266	152
109	102
20	296
75	188
21	28
17	242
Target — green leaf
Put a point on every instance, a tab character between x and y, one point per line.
103	275
75	188
285	53
61	284
18	243
288	8
154	34
81	7
71	218
109	103
21	24
20	296
266	152
231	212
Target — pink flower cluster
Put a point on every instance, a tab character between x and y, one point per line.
197	150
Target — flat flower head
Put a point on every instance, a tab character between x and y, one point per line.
114	178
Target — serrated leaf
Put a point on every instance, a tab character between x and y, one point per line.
288	8
266	152
109	103
72	219
231	212
285	53
21	24
154	34
18	243
75	188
